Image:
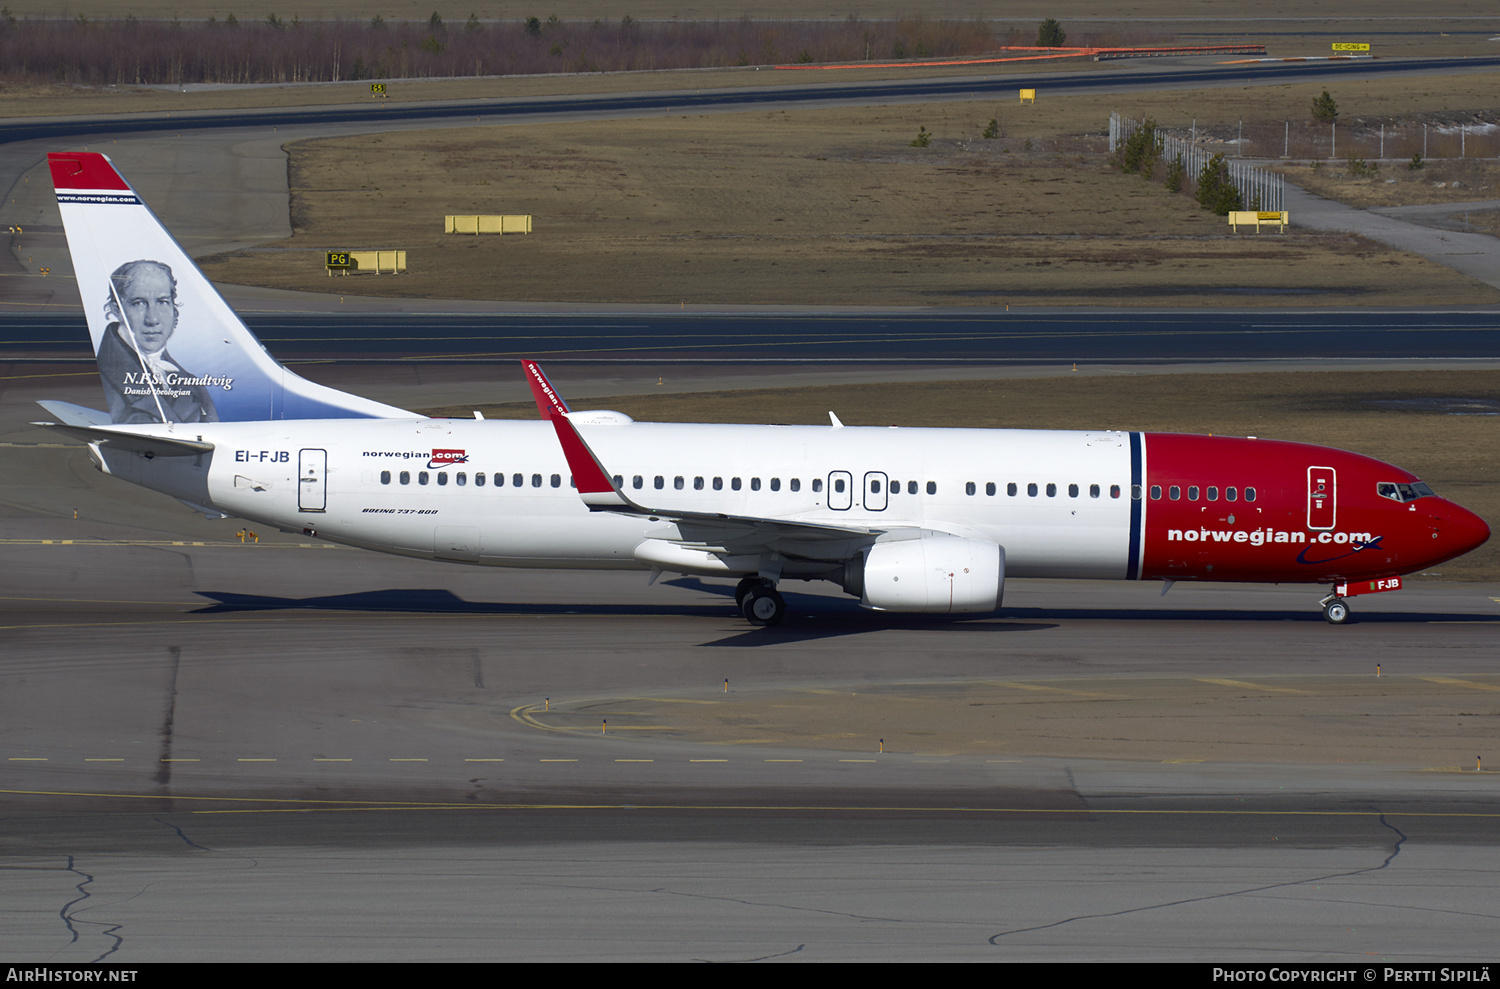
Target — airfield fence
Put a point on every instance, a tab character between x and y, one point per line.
1259	188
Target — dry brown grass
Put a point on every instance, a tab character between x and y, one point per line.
1395	184
802	207
1456	454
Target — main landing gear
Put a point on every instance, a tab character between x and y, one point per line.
1335	609
759	601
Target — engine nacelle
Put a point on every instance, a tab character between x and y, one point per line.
934	573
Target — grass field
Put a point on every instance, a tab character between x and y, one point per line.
829	207
1442	425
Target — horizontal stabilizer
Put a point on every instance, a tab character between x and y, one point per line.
75	415
124	439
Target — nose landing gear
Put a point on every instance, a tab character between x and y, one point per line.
1335	609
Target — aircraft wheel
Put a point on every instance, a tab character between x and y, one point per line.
744	587
764	606
1336	611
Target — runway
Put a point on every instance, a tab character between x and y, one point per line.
279	750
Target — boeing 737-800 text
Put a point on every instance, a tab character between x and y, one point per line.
916	520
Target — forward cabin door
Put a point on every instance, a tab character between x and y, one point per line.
1322	503
312	481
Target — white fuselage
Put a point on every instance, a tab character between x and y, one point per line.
414	487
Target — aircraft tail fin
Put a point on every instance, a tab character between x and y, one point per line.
169	348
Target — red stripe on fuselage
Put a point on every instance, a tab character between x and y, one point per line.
1272	538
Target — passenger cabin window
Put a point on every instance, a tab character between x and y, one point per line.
1156	492
659	483
422	477
1031	490
385	477
536	480
1051	491
775	484
1230	494
1094	491
1072	491
754	484
637	482
817	485
462	479
1192	492
911	487
1011	489
718	484
557	480
795	484
734	483
969	488
989	489
1174	492
1213	494
678	482
1135	491
932	487
442	479
516	480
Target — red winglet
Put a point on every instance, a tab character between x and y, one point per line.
548	402
589	476
84	170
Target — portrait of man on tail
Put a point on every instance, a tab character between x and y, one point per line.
142	382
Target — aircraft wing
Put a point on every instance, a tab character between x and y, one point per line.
599	493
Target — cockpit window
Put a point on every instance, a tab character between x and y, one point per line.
1403	492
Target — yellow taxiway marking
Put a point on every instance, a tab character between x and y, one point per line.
635	760
27	758
1460	683
327	759
859	760
255	760
86	759
483	760
1247	685
181	760
782	760
406	760
710	760
559	760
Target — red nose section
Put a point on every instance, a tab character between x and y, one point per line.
1458	531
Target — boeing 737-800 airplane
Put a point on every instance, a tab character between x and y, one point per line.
917	520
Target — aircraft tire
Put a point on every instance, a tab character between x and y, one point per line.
1336	611
764	606
744	587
